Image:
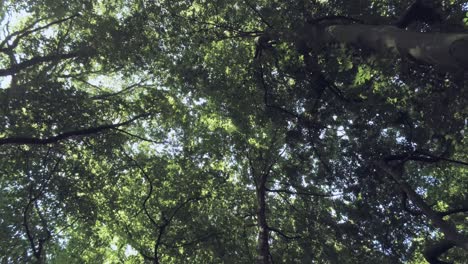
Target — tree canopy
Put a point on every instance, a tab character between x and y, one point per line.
195	131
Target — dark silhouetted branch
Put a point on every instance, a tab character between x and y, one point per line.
279	232
422	156
453	211
191	242
404	203
301	193
432	253
41	59
127	89
446	227
27	31
32	199
262	18
420	10
65	135
139	137
335	18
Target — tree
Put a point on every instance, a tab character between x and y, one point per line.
221	131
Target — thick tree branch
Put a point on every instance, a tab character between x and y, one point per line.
447	228
432	253
438	158
445	51
453	211
41	59
65	135
263	233
335	18
422	156
420	10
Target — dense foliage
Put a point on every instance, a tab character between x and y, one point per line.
183	132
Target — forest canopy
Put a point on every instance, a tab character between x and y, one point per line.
214	131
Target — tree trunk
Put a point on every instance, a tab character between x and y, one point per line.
263	233
448	52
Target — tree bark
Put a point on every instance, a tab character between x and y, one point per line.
446	51
433	252
452	237
263	233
